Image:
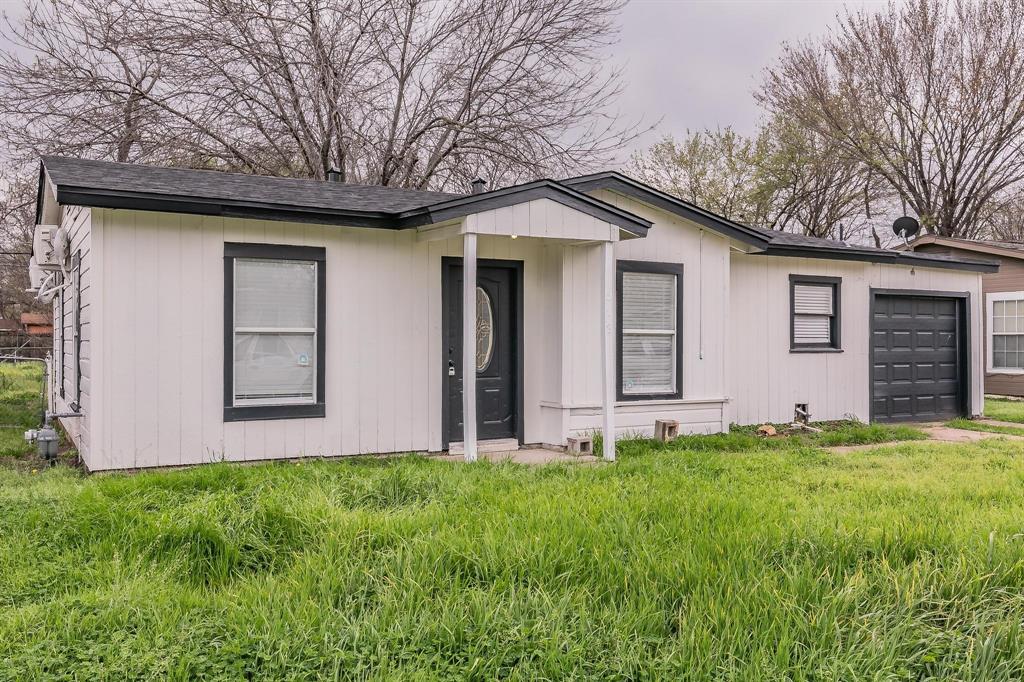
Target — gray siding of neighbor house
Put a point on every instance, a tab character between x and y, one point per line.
1010	277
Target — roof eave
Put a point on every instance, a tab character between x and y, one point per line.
147	201
891	258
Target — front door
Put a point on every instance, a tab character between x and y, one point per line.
496	352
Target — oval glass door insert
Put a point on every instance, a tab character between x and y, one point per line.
484	330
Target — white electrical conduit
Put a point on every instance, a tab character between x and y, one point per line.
700	294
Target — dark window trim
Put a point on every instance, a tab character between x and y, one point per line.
274	252
836	322
76	273
63	348
658	268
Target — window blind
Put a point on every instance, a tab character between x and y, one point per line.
813	307
275	294
812	299
648	333
275	331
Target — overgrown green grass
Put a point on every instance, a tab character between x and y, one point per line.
20	405
745	438
1005	410
906	562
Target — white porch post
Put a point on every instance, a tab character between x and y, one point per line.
608	348
469	346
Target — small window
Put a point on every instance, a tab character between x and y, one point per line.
650	307
274	345
814	319
1006	332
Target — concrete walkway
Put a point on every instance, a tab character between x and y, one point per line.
996	422
532	456
941	434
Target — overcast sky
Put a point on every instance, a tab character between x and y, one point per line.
694	63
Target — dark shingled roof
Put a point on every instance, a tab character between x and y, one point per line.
105	184
767	242
780	241
217	185
206	192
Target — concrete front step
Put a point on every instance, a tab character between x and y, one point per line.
484	446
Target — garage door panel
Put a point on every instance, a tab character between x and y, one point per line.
916	371
880	372
924	371
901	406
901	372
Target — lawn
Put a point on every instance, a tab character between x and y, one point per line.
20	406
1010	411
1005	410
720	557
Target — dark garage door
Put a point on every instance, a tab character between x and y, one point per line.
917	367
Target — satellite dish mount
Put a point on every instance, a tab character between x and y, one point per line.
905	228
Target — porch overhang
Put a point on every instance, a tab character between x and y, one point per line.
544	209
539	218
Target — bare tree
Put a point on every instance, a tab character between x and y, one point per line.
718	170
811	185
785	178
394	92
929	96
77	83
17	213
1005	222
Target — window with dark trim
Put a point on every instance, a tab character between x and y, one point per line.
76	330
814	320
650	311
58	328
274	341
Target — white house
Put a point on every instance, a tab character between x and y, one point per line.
210	316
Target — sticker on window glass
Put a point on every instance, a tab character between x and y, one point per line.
303	359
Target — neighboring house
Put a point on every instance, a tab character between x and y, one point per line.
235	317
1003	308
36	324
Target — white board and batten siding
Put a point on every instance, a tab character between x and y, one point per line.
164	396
74	377
153	332
702	330
766	380
543	218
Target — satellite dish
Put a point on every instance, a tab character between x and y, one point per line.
905	227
